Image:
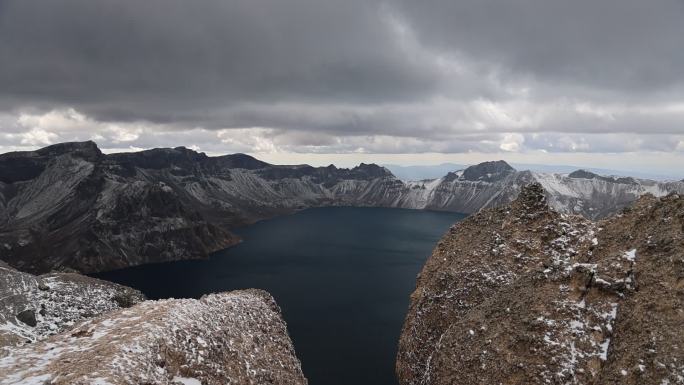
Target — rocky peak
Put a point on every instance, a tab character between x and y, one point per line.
87	150
243	161
488	171
160	158
531	200
584	174
25	165
550	298
371	170
452	176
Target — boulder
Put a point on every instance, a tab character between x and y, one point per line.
28	317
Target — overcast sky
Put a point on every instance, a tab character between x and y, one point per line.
587	82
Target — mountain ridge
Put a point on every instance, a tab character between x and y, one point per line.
70	205
523	294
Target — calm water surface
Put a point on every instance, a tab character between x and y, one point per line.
341	275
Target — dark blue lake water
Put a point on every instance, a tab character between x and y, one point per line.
341	275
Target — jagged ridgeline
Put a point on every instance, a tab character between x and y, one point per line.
71	206
523	294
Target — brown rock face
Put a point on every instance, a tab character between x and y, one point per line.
522	294
229	338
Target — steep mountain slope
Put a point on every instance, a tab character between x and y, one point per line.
69	205
33	308
229	338
523	294
492	184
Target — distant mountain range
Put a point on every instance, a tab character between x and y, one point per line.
71	206
413	173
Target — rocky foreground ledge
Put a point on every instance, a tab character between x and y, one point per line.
229	338
33	308
522	294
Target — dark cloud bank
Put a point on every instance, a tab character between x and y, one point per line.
447	76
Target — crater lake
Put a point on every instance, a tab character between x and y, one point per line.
341	275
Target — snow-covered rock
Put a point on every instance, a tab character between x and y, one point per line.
582	193
523	294
33	308
229	338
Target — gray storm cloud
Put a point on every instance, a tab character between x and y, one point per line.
345	76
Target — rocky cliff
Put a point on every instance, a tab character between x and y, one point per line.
69	205
33	308
492	184
230	338
523	294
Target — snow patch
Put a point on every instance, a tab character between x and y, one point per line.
630	255
187	380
